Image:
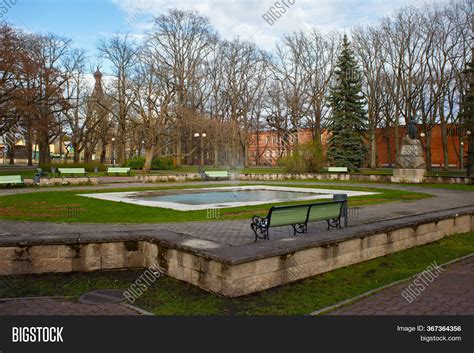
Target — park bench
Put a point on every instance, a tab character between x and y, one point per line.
11	180
338	170
116	170
72	171
298	216
215	175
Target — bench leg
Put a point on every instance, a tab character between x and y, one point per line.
334	223
259	227
300	228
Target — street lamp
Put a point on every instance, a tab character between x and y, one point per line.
113	151
202	136
461	148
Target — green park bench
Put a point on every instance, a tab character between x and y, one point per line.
338	170
298	216
117	170
11	180
72	171
215	175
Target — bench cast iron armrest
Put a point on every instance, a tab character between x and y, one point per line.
259	226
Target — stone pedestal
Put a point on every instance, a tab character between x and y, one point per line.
410	166
408	175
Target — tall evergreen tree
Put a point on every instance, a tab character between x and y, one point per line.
467	115
348	121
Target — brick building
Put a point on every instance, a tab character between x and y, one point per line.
270	146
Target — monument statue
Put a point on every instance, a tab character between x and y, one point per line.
412	131
410	164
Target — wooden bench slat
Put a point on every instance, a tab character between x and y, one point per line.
324	212
337	169
72	171
118	170
288	216
11	179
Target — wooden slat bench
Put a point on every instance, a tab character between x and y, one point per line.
298	216
11	180
338	170
72	171
215	175
117	170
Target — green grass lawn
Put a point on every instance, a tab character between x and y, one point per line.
55	206
168	296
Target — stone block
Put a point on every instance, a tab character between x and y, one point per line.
90	250
408	175
445	223
351	245
134	259
463	221
112	249
86	264
68	251
8	253
43	252
425	228
376	240
114	261
45	265
6	267
401	234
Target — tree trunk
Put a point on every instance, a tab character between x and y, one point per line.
178	147
29	148
373	148
103	154
43	146
11	153
428	151
148	159
444	138
216	155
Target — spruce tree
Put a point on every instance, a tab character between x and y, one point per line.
348	121
467	115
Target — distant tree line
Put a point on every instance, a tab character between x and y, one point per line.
182	79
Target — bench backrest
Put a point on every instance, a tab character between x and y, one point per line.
286	215
118	170
72	170
325	210
218	174
11	179
337	169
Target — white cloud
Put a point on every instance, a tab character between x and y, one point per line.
243	18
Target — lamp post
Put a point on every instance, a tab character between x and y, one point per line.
461	148
202	136
113	151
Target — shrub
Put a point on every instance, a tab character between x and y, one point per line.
162	163
306	158
89	167
137	162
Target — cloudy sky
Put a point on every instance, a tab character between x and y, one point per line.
86	21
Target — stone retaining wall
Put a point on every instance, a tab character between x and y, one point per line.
251	177
224	276
63	181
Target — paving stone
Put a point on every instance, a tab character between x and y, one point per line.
438	298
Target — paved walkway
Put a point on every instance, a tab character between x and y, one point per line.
452	293
232	233
52	306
